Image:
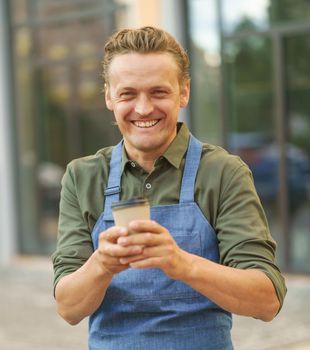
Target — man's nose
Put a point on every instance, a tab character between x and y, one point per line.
144	105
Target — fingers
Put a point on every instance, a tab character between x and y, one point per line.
145	233
145	244
142	239
112	234
148	263
118	251
130	259
145	226
108	243
149	252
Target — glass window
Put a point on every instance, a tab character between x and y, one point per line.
250	118
244	15
241	15
253	91
297	51
205	63
248	70
60	107
284	11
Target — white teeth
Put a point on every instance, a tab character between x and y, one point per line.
145	124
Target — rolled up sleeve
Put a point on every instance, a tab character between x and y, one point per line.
74	244
244	238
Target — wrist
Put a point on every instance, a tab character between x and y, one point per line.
187	267
100	268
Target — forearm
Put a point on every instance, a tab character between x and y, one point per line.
80	294
243	292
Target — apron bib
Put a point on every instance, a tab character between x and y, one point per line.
145	309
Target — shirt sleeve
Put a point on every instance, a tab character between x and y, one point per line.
74	244
244	238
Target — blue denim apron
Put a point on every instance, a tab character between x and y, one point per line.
145	309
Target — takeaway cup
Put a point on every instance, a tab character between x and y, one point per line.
132	209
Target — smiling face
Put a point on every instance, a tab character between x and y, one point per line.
145	95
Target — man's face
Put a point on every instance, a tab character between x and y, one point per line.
145	95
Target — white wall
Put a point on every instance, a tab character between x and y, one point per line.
172	19
7	217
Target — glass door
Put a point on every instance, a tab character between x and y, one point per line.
267	89
297	90
251	124
60	109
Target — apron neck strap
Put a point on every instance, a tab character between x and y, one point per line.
113	189
192	162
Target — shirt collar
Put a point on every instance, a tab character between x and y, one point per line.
125	159
178	146
175	152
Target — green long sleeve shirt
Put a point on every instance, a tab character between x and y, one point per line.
224	191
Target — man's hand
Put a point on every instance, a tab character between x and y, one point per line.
159	248
245	292
109	252
80	293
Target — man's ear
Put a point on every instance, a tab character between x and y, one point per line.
184	94
107	95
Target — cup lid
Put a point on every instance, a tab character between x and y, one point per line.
129	203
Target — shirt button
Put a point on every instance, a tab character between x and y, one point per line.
133	164
148	186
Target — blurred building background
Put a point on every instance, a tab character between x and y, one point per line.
250	94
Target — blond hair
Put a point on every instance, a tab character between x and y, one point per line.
145	40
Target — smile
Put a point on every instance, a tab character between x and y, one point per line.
145	123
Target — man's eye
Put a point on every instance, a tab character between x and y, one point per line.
127	93
159	92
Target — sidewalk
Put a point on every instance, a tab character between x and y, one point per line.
290	330
28	319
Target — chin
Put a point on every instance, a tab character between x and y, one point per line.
147	147
148	143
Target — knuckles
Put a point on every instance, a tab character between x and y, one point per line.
148	237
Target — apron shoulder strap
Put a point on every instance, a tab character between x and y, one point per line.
113	188
192	162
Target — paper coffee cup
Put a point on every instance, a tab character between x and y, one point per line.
129	210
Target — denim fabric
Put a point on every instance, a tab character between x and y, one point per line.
144	309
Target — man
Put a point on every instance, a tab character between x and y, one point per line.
173	282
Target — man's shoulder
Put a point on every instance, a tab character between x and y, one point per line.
217	157
217	170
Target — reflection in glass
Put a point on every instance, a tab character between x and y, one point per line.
248	68
251	129
18	10
262	14
237	13
297	51
256	77
283	11
205	63
60	107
